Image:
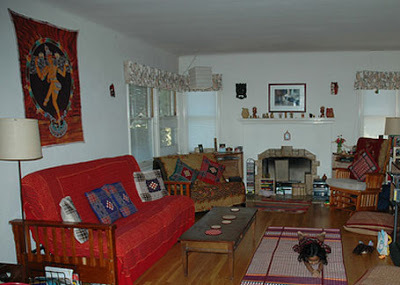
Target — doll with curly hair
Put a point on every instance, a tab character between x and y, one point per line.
312	251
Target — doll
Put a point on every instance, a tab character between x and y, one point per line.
312	251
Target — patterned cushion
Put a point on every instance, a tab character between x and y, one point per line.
150	185
103	205
70	214
121	199
370	223
210	171
363	165
183	172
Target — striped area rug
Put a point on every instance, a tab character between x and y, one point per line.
275	262
289	206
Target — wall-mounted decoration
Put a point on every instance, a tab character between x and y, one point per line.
287	136
50	79
334	88
112	90
288	97
241	90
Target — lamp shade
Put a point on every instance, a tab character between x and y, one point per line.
392	126
19	139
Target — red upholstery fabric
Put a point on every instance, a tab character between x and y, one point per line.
141	239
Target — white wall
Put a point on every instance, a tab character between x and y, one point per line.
101	53
317	70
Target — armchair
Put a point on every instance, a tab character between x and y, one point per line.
357	188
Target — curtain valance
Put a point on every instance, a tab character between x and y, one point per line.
377	80
146	76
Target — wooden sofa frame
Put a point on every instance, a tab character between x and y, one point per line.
100	266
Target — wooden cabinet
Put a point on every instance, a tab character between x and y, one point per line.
341	161
233	162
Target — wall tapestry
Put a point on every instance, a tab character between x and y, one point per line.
50	80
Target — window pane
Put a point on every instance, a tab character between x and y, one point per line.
138	101
166	102
141	140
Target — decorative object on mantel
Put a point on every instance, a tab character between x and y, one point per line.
245	113
288	97
311	115
271	116
241	90
339	141
254	113
322	112
287	136
329	113
334	88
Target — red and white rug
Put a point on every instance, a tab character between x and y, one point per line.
275	262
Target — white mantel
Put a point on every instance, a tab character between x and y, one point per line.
313	134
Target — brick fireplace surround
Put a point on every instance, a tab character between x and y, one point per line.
289	152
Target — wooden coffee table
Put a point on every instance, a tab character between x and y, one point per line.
196	240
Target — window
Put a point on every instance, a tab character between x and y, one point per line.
202	119
375	108
152	123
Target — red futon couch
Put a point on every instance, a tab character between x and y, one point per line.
115	253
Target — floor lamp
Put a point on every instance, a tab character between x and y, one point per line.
20	140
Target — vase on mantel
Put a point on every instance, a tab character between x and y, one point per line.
339	148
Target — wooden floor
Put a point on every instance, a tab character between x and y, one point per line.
210	268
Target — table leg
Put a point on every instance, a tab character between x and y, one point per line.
254	232
231	259
184	259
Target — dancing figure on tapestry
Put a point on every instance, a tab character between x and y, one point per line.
50	83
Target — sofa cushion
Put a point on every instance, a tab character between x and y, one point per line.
210	171
150	185
70	214
346	183
121	199
183	172
370	223
364	164
103	205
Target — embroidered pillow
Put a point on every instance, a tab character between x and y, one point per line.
121	199
150	185
70	214
103	205
210	171
363	165
183	172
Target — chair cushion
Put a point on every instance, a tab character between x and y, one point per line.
183	172
364	164
346	183
370	223
150	185
210	171
103	205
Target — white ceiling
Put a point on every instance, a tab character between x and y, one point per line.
187	27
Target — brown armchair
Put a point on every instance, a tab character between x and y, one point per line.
348	193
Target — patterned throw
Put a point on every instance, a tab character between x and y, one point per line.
290	206
275	262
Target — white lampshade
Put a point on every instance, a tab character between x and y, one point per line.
392	126
200	77
19	139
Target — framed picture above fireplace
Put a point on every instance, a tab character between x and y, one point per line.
287	97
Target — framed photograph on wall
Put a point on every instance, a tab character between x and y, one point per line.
287	97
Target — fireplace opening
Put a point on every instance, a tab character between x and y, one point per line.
286	169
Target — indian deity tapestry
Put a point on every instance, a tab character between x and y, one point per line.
50	79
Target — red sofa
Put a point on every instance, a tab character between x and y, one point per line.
128	247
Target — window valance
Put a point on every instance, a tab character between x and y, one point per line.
377	80
146	76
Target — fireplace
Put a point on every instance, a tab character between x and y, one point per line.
288	166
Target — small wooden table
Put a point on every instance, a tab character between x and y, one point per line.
196	240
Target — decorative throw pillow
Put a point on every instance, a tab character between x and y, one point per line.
183	172
210	171
370	223
103	205
121	199
150	185
363	165
70	214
